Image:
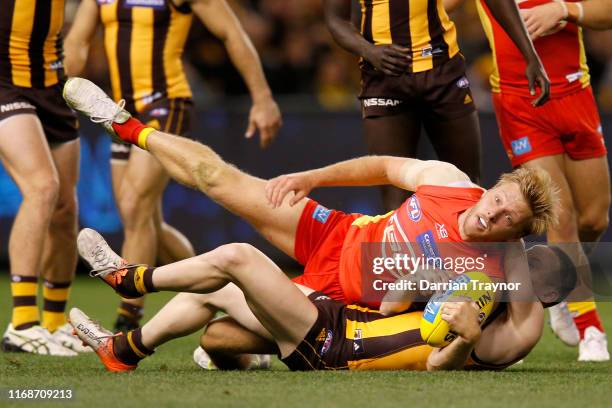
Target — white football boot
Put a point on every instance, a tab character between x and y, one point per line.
63	335
562	324
95	251
594	346
203	360
89	99
35	340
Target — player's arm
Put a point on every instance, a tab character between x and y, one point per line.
391	59
219	18
595	14
401	172
76	44
507	14
462	318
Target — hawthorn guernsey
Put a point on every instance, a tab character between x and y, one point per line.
425	225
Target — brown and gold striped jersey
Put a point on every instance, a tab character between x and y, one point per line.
31	42
421	25
144	42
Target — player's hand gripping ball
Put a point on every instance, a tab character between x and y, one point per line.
473	285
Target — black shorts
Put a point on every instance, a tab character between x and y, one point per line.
441	93
323	348
168	115
59	122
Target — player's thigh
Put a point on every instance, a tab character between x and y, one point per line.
396	135
555	166
276	302
592	198
118	168
26	155
457	141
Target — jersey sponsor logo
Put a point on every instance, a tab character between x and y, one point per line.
159	112
521	146
150	98
321	214
381	102
432	307
156	4
414	208
574	76
428	245
56	65
322	297
463	82
328	342
429	51
358	342
441	230
13	106
103	2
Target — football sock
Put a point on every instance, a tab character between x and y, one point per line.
131	312
137	281
133	131
585	315
129	348
25	311
55	295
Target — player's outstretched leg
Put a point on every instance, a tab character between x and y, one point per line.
192	164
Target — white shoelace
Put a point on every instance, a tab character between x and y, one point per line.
119	107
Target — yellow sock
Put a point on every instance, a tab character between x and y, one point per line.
143	136
580	308
56	296
25	311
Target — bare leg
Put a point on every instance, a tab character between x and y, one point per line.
396	135
197	166
457	141
60	256
277	303
172	245
26	157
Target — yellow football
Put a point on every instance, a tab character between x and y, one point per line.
474	285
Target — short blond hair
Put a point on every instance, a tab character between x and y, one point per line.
541	194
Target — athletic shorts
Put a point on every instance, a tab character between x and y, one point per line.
318	245
323	347
441	93
168	115
569	124
59	122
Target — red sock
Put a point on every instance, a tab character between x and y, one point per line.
588	319
129	130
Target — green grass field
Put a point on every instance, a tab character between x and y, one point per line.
549	377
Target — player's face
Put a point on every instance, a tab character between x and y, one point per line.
501	214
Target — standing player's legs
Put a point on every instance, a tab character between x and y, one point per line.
26	157
457	141
60	254
172	245
395	135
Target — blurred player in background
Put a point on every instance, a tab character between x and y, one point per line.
39	148
413	75
144	44
564	137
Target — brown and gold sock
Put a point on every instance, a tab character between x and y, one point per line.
55	295
131	312
25	311
129	349
138	281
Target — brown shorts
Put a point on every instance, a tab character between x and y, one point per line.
168	115
442	93
323	346
59	122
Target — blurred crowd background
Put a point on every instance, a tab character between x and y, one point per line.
305	68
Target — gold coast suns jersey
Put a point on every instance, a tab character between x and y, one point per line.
144	42
421	25
31	42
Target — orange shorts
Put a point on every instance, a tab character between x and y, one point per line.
318	245
568	124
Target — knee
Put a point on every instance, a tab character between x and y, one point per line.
213	339
594	223
135	208
65	214
44	192
232	256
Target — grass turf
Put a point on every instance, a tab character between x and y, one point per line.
549	377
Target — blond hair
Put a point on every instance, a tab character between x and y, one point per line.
541	194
